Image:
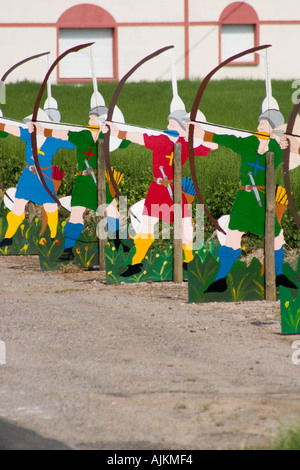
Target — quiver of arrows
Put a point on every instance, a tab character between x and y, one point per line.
188	189
57	177
281	202
117	177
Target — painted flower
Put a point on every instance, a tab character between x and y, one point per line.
43	241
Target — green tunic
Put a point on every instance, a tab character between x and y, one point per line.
85	191
246	215
3	134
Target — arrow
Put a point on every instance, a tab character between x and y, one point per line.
262	135
35	113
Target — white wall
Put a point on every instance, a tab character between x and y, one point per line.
38	33
28	42
130	40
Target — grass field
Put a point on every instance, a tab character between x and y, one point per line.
234	103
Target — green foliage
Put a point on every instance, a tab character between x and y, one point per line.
291	232
290	312
287	439
221	198
157	264
12	161
23	241
244	282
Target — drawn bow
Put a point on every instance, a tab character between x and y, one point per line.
35	113
285	164
2	80
195	107
111	110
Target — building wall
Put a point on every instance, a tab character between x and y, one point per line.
29	27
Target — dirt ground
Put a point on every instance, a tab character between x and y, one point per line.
135	366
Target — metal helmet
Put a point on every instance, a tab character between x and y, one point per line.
273	116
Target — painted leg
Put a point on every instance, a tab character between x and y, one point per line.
14	221
52	218
281	279
72	233
113	228
187	241
227	257
188	254
142	243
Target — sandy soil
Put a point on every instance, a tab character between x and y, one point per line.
93	366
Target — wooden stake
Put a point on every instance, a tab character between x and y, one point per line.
270	284
177	252
101	201
31	211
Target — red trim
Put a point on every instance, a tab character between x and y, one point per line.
86	16
174	23
239	13
204	23
27	25
179	23
280	22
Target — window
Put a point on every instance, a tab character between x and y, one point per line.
82	24
79	65
239	30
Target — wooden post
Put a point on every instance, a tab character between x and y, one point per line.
31	211
177	252
270	284
101	202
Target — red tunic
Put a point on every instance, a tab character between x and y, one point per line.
158	201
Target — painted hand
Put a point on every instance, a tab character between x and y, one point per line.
107	125
198	131
294	144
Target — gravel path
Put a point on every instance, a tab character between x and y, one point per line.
94	366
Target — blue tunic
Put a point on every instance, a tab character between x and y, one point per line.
29	186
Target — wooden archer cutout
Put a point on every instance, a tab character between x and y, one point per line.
158	204
218	283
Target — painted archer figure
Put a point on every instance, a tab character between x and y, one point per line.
85	190
29	187
159	199
248	211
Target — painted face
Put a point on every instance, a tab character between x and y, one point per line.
264	126
173	125
93	120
